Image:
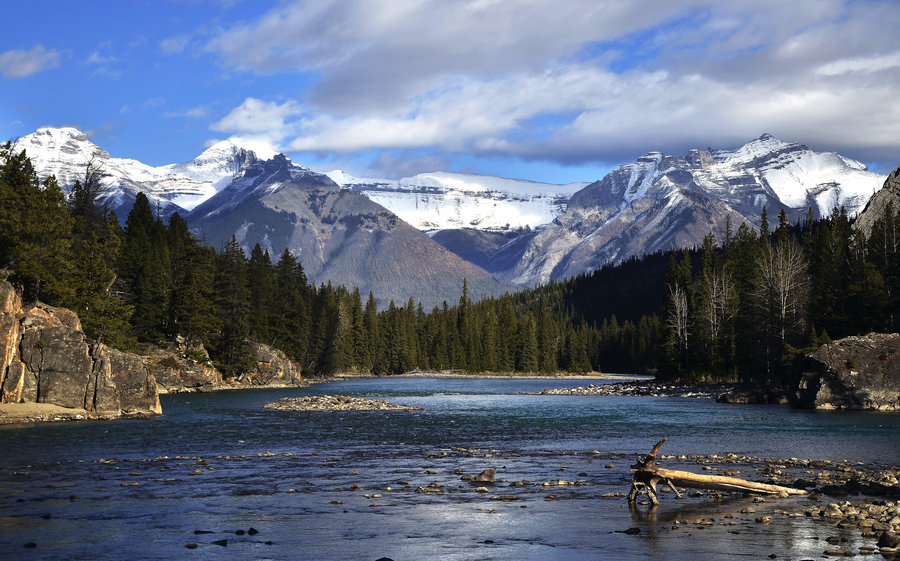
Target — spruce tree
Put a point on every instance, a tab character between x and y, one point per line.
35	230
232	352
290	314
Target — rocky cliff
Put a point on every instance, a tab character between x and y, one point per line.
888	194
853	373
45	358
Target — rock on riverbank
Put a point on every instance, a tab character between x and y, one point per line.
45	358
336	403
853	373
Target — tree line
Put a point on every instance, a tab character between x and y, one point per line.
744	308
149	282
748	307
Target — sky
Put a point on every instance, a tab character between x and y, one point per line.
535	89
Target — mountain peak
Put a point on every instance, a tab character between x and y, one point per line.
234	145
62	132
67	140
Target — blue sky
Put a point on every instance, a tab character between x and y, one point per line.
539	90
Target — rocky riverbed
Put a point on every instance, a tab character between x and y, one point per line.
335	403
843	496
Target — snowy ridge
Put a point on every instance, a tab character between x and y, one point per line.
66	152
446	200
663	202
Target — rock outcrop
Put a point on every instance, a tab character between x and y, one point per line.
181	369
853	373
888	194
45	358
273	369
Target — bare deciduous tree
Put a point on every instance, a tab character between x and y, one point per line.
718	304
678	319
782	289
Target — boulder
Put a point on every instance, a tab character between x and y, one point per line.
123	383
861	372
46	358
59	359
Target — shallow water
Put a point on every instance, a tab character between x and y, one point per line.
306	481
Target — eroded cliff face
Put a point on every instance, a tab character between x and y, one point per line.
860	372
181	369
273	369
45	358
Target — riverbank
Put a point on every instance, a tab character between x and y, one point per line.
34	413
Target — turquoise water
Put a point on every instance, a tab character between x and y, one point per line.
220	463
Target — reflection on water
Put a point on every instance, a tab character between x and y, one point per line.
350	484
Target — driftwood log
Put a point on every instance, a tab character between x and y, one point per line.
647	475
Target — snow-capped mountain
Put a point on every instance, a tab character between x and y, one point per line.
444	200
66	152
524	232
337	234
662	202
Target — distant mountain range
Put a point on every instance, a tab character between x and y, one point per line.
662	202
66	152
495	232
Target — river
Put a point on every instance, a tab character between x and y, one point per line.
193	482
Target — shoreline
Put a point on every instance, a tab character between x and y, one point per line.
454	375
30	413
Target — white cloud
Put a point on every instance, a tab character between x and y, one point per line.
193	113
861	64
261	119
96	58
20	64
572	82
175	44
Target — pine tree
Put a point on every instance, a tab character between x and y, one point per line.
232	351
35	230
262	286
290	313
372	329
145	266
527	360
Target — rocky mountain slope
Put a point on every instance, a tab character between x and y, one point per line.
889	193
337	234
662	202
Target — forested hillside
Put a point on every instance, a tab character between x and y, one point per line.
739	309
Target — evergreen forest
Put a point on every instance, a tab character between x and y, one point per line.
742	308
